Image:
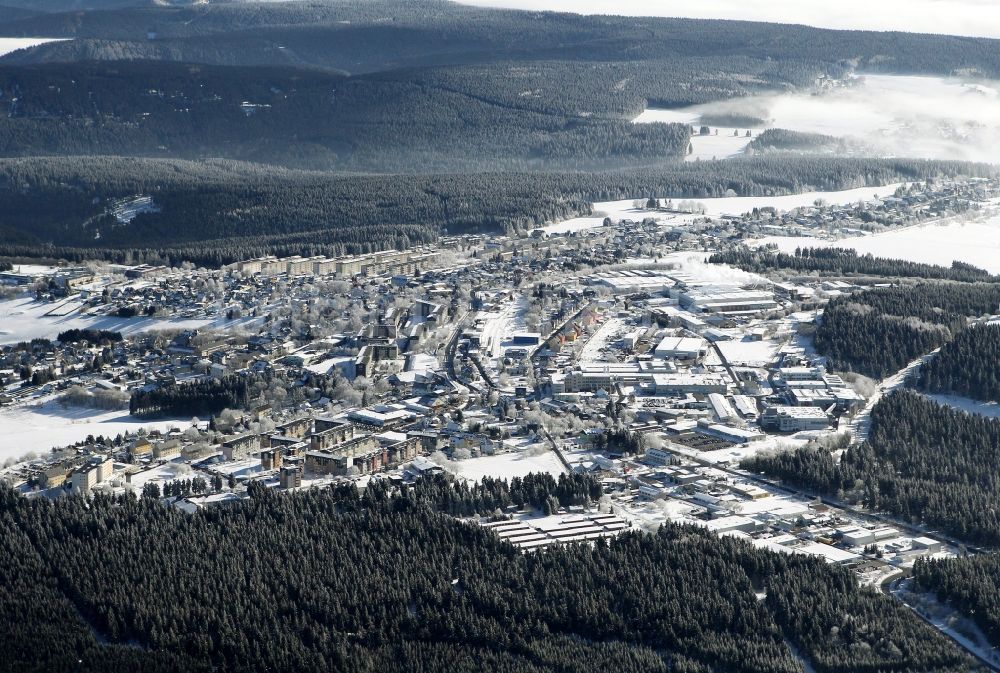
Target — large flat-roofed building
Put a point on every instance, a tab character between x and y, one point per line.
728	300
298	266
636	280
794	419
591	377
687	349
801	373
682	384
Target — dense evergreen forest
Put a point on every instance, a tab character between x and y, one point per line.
843	261
922	462
332	580
217	212
197	398
783	140
878	332
967	365
316	120
971	584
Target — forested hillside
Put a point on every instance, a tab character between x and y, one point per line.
922	462
971	584
878	332
367	35
383	582
969	365
843	261
305	119
217	212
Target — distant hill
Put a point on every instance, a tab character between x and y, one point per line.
412	122
85	5
366	35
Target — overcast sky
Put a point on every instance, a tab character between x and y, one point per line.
980	18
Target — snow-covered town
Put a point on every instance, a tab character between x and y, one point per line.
617	351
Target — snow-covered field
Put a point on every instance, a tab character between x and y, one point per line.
9	44
976	243
506	465
991	409
23	319
976	18
38	429
722	143
730	205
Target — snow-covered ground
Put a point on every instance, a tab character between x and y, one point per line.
975	18
501	325
722	142
991	409
749	353
976	243
37	429
731	205
9	44
23	319
506	465
604	335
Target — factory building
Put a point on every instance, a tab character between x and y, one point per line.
794	419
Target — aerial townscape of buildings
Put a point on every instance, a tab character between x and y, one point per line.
614	350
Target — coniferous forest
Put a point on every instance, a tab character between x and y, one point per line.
971	584
844	261
878	332
922	462
966	365
332	580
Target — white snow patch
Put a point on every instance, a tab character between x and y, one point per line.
506	465
38	429
9	44
976	243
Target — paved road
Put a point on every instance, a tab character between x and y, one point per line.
861	423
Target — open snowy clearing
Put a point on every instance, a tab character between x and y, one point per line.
24	319
976	243
506	465
9	44
38	429
991	409
722	142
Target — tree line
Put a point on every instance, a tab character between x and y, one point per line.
970	584
877	332
966	366
382	580
203	397
844	261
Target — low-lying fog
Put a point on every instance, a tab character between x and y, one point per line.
975	18
924	117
